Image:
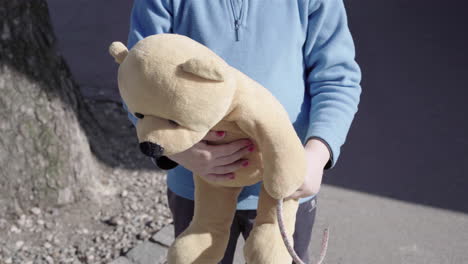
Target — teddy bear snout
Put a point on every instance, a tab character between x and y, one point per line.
151	149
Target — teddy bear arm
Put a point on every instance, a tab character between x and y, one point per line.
283	155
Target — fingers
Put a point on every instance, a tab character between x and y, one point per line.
228	149
225	173
223	150
231	167
236	155
218	162
214	136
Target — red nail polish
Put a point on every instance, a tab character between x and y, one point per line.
245	163
251	148
220	133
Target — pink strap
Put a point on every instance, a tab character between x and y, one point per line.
287	243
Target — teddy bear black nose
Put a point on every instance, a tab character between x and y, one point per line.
151	149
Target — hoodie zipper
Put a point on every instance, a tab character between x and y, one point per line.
237	17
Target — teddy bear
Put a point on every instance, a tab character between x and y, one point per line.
180	90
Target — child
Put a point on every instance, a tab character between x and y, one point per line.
302	51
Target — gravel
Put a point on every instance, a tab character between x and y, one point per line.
89	235
94	231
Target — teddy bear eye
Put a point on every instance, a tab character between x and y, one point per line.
139	116
174	123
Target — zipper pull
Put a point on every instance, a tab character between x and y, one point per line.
237	26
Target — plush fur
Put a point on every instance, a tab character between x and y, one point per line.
184	90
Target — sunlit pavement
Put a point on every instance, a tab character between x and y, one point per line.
370	229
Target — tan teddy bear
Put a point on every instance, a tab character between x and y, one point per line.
180	90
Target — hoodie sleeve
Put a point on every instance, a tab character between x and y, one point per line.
332	75
148	17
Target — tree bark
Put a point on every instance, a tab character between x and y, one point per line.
45	157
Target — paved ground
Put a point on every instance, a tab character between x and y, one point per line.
365	229
371	229
399	193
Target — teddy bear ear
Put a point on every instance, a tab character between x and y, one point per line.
118	51
209	69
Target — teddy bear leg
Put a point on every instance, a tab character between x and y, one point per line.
264	244
206	238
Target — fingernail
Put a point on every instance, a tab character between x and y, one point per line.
251	148
220	133
245	163
248	143
232	176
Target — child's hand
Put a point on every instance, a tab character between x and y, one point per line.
317	157
215	162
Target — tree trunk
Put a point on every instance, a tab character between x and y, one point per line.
45	158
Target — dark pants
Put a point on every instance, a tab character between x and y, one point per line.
182	213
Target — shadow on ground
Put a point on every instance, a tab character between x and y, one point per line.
84	30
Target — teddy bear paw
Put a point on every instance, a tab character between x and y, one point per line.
198	247
265	246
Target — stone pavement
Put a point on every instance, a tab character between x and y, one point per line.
154	250
363	229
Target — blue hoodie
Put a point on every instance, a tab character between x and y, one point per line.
301	50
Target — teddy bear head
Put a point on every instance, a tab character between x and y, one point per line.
176	87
